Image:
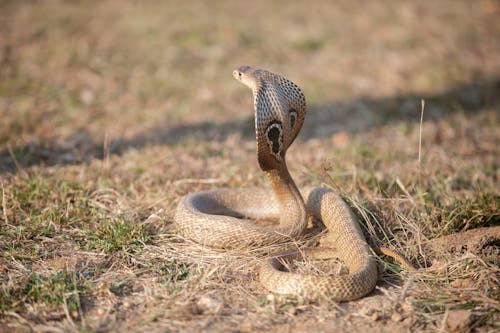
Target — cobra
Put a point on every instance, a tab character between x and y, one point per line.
224	218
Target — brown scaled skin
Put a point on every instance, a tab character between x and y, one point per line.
280	109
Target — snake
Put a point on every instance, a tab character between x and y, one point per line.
225	218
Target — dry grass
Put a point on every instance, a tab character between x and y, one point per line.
112	111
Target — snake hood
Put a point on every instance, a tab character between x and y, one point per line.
280	108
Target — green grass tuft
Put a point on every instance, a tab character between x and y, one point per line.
117	234
60	288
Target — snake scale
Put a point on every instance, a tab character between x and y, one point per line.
223	218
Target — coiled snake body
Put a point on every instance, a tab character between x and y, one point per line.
223	218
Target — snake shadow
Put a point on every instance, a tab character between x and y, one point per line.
353	115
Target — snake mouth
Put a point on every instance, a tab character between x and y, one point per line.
240	71
237	74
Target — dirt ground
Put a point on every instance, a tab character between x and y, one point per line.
113	110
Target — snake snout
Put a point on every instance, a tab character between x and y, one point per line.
237	74
240	71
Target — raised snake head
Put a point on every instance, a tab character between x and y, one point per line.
280	108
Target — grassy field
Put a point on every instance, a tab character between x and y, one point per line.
111	111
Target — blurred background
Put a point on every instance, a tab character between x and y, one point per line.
77	76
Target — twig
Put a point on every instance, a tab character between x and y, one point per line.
4	205
106	154
19	318
405	191
445	319
14	159
66	312
422	102
406	287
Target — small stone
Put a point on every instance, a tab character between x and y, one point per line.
270	298
397	317
292	310
86	96
375	316
459	321
209	305
406	307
